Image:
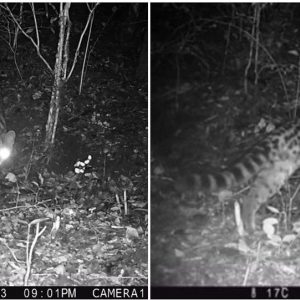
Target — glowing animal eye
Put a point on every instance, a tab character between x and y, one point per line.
4	153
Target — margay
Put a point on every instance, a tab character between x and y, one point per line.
7	140
267	167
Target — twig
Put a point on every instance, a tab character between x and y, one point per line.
246	274
15	59
35	26
119	204
291	202
250	56
29	252
26	206
298	90
265	50
29	37
12	253
80	41
257	33
84	63
125	203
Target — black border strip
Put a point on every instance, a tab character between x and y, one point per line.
73	292
267	292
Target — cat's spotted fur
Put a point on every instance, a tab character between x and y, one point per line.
266	168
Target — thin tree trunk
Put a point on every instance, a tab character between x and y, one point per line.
59	74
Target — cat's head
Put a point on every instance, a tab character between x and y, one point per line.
7	141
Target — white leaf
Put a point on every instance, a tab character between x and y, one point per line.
273	209
276	239
274	242
238	219
270	127
29	30
262	123
41	178
11	177
243	247
60	269
224	195
231	245
131	234
159	170
271	221
268	226
293	52
179	253
296	227
289	238
288	269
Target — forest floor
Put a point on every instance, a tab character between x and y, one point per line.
90	228
194	237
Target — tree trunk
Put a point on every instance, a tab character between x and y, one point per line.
59	75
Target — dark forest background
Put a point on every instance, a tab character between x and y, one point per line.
233	62
223	75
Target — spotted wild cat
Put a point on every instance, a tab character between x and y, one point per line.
266	168
7	140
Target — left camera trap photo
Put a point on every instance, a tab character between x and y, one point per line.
74	144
